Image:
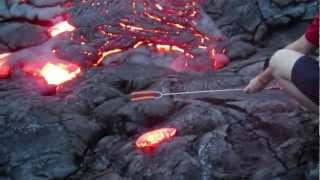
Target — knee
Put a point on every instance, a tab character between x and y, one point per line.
278	59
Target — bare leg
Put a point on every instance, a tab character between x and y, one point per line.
281	65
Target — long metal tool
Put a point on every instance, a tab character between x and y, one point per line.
154	95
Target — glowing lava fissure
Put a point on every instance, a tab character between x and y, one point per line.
163	25
154	138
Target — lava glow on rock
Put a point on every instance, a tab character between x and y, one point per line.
61	28
152	139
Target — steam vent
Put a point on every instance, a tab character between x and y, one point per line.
152	90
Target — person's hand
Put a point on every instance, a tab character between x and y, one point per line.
255	85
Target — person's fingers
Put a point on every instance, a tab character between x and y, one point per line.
250	91
246	89
252	87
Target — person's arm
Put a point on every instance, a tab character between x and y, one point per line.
302	45
306	44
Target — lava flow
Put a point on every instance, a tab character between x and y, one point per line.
178	28
154	138
61	27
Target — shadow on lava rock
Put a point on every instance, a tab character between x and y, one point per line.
88	127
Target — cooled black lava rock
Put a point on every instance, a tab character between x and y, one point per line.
25	35
238	17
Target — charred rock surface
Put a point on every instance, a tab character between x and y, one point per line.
254	21
88	130
23	23
90	133
258	15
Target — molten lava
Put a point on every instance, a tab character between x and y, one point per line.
56	74
61	28
107	53
5	70
152	139
219	60
53	73
4	55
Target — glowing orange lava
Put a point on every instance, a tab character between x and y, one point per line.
5	69
4	55
168	48
61	28
56	74
153	138
163	48
53	73
105	54
220	60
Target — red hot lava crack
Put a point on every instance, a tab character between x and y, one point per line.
164	25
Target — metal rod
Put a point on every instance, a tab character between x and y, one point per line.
211	91
201	92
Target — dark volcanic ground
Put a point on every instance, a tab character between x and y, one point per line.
88	130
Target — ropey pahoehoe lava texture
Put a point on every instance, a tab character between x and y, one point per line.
88	130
